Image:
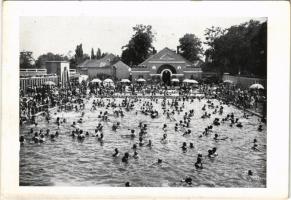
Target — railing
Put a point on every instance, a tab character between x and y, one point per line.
32	72
36	81
72	71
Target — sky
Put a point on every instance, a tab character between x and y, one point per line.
61	35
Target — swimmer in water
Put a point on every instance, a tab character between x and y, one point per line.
260	128
141	143
134	147
216	137
135	155
73	125
187	180
165	127
125	157
239	125
116	153
22	140
47	132
101	137
132	134
127	184
35	138
184	147
255	147
150	143
164	137
198	163
191	145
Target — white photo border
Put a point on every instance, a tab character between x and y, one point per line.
278	14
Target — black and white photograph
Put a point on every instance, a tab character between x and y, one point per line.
144	102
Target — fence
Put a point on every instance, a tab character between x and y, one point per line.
244	82
32	72
36	81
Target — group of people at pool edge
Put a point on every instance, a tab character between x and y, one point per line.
105	98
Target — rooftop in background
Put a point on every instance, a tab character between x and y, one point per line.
103	62
164	55
57	61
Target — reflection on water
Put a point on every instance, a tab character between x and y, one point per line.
68	161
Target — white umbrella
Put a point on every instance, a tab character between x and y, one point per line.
228	81
189	81
96	80
141	80
49	83
193	81
256	86
108	80
125	81
175	80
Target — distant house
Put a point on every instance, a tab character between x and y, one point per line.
106	67
165	65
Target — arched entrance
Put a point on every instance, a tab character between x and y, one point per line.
166	76
166	72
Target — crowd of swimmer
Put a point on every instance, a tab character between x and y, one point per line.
169	107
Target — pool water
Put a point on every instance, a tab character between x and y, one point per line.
70	162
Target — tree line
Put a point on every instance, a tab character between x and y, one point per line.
26	59
239	50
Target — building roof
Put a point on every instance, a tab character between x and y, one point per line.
166	54
121	64
103	62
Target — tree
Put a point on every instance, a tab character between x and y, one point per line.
40	62
240	49
26	60
92	54
190	47
79	57
139	46
98	54
103	55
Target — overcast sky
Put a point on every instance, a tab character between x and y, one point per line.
60	35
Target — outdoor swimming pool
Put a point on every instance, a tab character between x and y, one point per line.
69	162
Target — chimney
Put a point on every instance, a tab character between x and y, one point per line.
178	47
